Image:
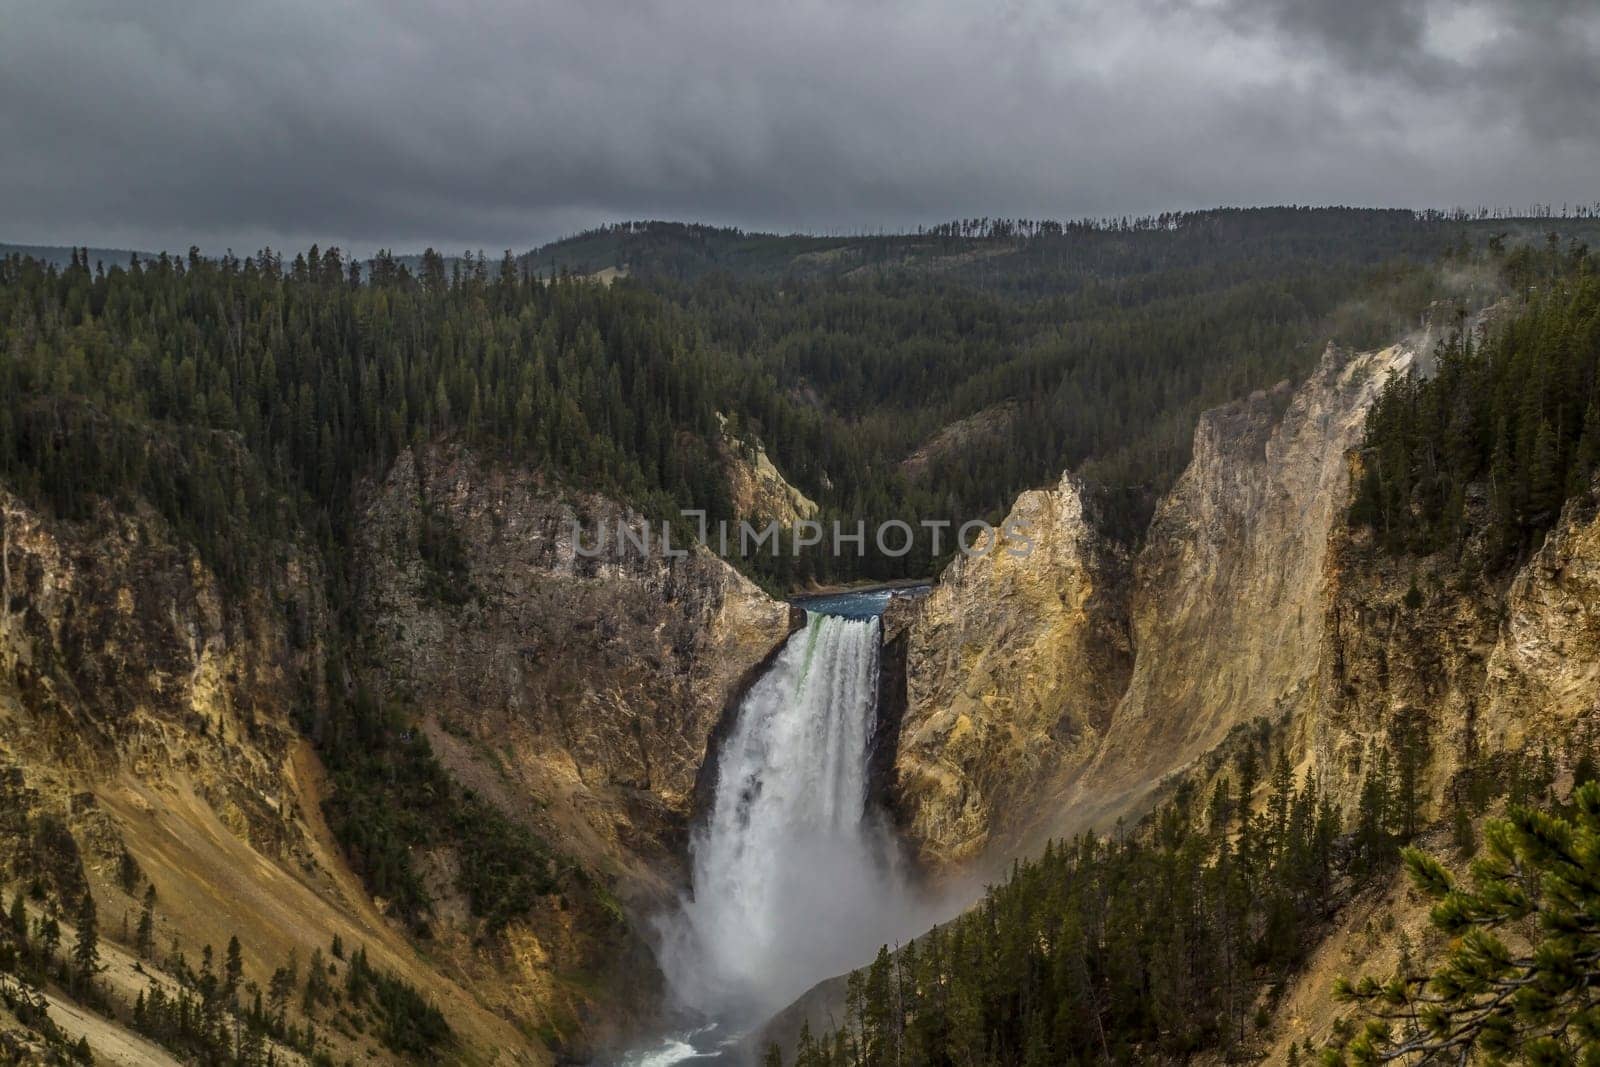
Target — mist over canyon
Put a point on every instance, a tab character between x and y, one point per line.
794	871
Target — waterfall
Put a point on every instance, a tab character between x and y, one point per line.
794	878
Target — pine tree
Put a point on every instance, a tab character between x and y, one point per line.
127	872
19	919
1586	459
1487	999
879	1035
1372	814
1411	757
1502	496
1546	487
317	989
280	986
233	970
86	952
48	931
145	936
807	1052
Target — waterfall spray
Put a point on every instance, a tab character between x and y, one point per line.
795	878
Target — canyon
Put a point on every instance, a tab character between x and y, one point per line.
152	714
1068	690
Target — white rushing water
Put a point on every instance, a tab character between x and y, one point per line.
794	875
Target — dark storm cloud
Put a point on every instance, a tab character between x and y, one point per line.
1537	61
493	123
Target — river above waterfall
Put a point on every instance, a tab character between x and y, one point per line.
857	603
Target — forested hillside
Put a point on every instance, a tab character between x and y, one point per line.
1107	379
1477	458
1159	943
1090	345
1084	346
325	374
1037	255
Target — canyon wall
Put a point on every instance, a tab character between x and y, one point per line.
1072	684
1228	594
1075	687
1014	662
589	684
148	739
1418	650
150	709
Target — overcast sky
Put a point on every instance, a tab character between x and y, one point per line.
505	123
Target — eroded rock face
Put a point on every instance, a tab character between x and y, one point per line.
1060	690
758	490
1415	648
1545	667
981	426
1396	664
577	691
1014	662
148	709
1228	597
593	684
1484	666
1079	686
121	651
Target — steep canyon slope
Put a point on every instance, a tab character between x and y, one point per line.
589	682
1076	687
1476	674
153	734
1014	663
1269	633
1104	675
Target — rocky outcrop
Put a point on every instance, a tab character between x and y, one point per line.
1014	662
1474	668
1543	675
151	709
1074	684
1423	651
120	651
577	690
590	683
1403	654
981	428
758	490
